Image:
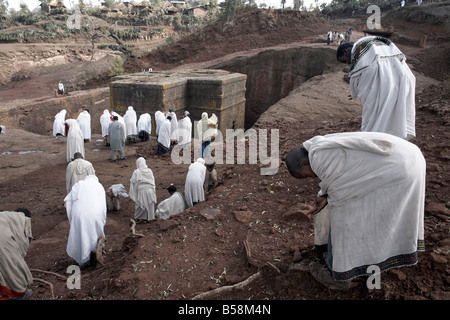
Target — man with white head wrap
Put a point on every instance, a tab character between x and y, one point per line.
58	123
142	192
207	129
86	210
77	170
75	142
130	119
193	189
84	121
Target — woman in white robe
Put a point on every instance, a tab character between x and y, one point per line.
173	125
75	141
164	136
143	192
144	126
184	129
130	119
86	211
58	124
105	120
159	119
84	121
193	189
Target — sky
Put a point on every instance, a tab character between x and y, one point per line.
32	4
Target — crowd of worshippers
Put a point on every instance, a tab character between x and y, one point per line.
87	202
370	205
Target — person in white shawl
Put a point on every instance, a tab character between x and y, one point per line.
77	170
75	142
172	205
15	237
382	80
58	123
86	210
105	120
193	189
206	130
372	187
130	119
84	121
142	192
164	135
159	118
184	129
144	126
173	126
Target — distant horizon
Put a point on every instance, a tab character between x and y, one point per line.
33	4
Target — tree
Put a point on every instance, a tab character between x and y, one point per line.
3	7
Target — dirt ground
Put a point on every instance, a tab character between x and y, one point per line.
250	225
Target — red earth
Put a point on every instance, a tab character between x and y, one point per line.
251	228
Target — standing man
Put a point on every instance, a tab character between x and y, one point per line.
116	134
142	192
173	126
15	238
86	210
372	192
77	170
380	77
75	141
195	179
164	135
184	129
60	88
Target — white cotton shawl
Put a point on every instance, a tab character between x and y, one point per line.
130	119
75	141
164	133
193	188
375	184
105	120
145	123
383	82
173	125
159	119
142	187
170	206
77	170
15	229
84	121
86	211
184	130
58	124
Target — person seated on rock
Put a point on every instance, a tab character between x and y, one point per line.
15	238
172	205
371	208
